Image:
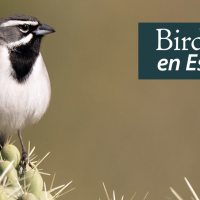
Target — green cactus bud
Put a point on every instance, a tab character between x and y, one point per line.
27	196
3	195
45	196
10	152
35	180
11	174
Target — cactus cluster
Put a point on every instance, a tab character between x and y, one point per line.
28	187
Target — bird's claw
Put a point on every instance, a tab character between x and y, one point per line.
23	162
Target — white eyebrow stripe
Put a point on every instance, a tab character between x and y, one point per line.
18	22
23	41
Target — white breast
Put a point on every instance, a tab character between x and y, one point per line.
22	103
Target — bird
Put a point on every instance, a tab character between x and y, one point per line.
25	89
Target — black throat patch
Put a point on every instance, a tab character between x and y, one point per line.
23	58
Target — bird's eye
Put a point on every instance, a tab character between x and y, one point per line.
24	28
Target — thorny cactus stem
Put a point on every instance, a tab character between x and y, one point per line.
30	186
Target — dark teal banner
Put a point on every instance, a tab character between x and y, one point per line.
169	50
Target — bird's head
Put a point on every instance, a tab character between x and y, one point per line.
20	36
22	30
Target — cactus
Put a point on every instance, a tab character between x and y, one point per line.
34	180
27	196
28	187
10	152
191	190
3	195
108	198
11	174
45	196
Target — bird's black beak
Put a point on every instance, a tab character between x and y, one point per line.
43	29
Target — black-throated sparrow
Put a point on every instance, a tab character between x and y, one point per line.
24	81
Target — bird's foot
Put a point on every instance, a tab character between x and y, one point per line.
23	163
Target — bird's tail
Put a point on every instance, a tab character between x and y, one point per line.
3	139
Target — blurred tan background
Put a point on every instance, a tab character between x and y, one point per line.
103	124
